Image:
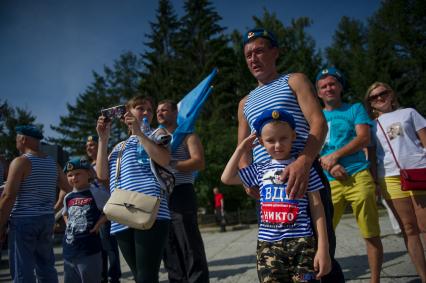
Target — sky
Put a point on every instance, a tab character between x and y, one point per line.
50	48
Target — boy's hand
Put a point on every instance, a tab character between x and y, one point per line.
95	228
248	143
322	263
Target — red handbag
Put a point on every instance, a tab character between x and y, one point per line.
411	179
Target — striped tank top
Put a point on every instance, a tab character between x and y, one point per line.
182	153
37	193
136	177
276	95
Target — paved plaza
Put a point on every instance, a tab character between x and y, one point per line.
231	255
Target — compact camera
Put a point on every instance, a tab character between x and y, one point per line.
114	112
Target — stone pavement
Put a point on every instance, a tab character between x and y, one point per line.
231	255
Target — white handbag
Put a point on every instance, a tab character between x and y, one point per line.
134	209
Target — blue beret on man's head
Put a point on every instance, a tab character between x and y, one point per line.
29	131
93	138
77	163
259	32
270	115
331	71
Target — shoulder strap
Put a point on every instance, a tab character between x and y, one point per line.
118	163
390	147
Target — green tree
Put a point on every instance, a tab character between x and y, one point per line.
159	78
397	41
348	53
10	117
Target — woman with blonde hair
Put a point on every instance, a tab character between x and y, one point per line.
405	130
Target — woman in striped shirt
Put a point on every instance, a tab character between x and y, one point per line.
142	249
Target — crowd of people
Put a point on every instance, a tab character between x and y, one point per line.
302	152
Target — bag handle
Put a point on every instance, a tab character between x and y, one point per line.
386	137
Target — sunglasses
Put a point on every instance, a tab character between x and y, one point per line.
382	94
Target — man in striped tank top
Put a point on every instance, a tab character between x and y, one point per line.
28	203
185	257
294	93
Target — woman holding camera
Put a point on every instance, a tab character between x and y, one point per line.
142	249
405	129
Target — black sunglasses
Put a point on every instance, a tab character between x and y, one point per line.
380	94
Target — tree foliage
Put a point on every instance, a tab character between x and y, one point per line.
10	117
180	51
390	49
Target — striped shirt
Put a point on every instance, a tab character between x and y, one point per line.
276	95
276	222
37	193
182	153
136	177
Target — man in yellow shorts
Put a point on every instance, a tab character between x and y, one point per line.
345	164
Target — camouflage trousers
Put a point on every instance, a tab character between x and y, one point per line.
288	260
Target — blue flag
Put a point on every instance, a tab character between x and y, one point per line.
189	108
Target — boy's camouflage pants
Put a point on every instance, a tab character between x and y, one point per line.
288	260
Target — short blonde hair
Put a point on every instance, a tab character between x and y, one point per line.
371	111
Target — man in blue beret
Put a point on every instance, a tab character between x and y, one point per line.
28	202
294	93
345	163
110	251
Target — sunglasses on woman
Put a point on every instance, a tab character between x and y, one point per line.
382	95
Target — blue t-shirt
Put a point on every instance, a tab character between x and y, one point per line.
341	131
280	217
83	208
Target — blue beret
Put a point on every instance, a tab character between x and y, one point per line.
260	32
77	163
270	115
30	131
331	71
93	138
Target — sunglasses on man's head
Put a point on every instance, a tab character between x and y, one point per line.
382	94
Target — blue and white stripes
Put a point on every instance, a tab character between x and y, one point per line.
182	153
276	95
37	194
135	176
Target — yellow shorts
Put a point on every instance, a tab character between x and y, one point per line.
360	191
391	189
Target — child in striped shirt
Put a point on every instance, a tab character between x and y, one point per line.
286	249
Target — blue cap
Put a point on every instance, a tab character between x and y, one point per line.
77	163
30	131
93	138
331	71
270	115
260	32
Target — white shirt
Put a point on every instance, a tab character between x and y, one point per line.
401	128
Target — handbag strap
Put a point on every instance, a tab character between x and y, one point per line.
118	163
390	147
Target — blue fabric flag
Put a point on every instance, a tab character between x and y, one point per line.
189	108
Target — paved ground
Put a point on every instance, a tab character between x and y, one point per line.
231	255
